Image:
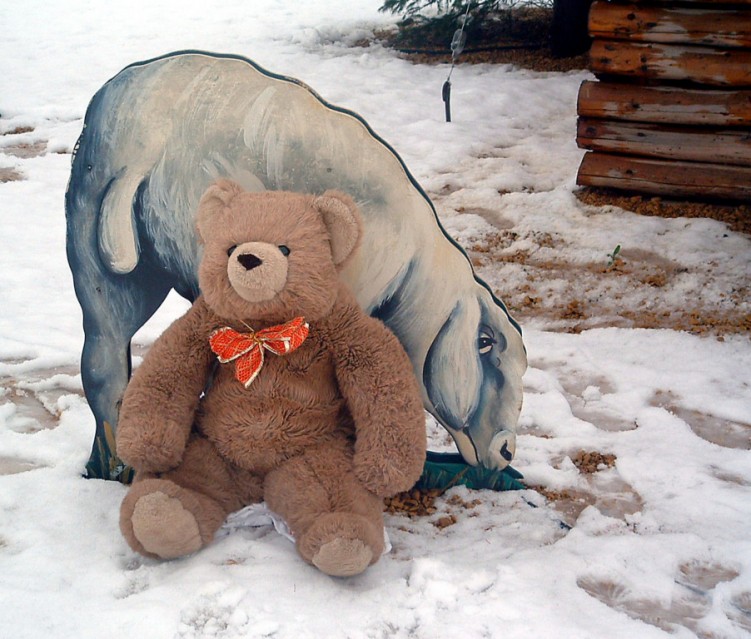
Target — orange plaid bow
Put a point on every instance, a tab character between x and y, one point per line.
247	348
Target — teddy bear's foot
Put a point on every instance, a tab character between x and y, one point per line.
342	544
343	557
163	520
164	527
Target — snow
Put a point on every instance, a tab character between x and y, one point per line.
655	543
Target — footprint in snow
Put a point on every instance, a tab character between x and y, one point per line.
692	600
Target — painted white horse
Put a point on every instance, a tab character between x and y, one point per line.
158	133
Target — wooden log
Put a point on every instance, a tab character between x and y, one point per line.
671	105
670	25
708	144
700	65
662	177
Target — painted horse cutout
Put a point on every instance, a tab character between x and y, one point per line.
158	133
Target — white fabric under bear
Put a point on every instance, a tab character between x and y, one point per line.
257	515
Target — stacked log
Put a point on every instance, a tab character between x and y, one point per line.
670	113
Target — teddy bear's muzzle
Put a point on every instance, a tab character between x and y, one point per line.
257	271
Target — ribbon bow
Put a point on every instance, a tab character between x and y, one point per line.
247	348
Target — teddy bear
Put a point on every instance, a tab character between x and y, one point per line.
275	386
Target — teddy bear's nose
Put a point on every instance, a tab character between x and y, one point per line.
249	261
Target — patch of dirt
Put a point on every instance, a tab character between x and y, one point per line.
722	432
705	575
445	521
589	462
9	175
602	488
422	503
607	492
689	603
25	150
569	504
741	614
14	466
553	495
624	292
540	59
414	503
19	150
31	405
30	411
685	610
19	129
736	216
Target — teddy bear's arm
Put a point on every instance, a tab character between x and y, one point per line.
160	400
376	378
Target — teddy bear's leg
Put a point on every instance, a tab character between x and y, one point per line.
176	513
337	523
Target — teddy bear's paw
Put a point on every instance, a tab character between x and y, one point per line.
343	557
149	449
164	527
380	478
342	544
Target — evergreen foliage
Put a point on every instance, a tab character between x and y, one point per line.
427	23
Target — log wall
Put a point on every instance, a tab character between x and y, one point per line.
670	113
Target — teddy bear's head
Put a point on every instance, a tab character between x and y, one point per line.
273	255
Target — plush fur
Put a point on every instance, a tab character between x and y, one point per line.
322	434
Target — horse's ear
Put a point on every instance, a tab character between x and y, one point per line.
344	223
213	203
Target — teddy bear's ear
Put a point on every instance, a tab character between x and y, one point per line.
343	221
216	198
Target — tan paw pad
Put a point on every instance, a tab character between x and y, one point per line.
343	557
164	527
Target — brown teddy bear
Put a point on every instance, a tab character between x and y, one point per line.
274	386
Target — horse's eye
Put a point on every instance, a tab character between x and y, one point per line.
485	344
284	249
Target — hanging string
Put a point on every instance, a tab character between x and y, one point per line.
457	46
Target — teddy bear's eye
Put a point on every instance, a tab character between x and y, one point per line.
284	249
231	250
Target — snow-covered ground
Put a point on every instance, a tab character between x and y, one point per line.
648	536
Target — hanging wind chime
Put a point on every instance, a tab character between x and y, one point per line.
457	46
